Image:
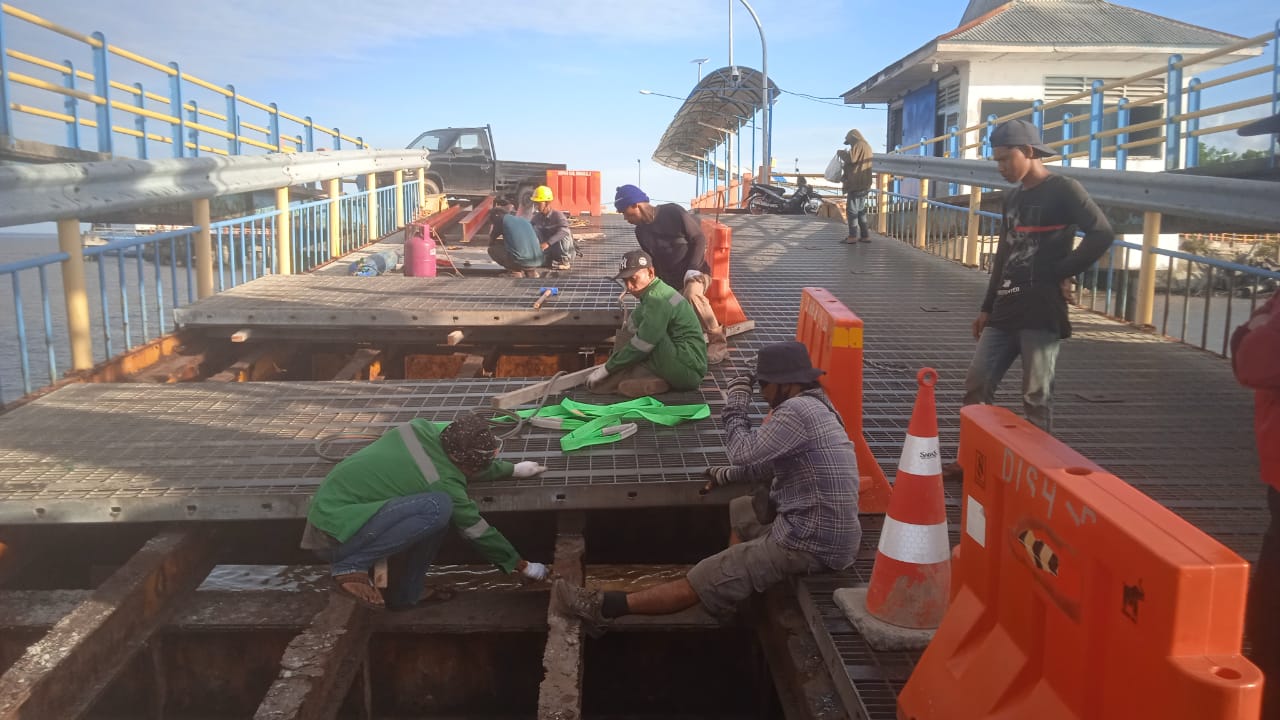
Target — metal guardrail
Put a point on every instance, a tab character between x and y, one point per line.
164	106
1178	131
39	193
1243	202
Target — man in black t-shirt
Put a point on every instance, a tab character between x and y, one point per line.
1024	312
674	239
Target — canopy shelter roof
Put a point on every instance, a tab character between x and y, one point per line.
717	105
997	29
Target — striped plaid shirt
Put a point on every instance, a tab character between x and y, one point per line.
806	450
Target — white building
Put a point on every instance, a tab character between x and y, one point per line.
1005	54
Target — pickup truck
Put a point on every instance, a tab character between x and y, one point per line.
463	163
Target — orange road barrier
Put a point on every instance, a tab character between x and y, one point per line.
1078	597
576	192
723	302
833	334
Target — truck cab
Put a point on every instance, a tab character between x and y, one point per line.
463	162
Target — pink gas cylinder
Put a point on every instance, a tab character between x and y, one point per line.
419	251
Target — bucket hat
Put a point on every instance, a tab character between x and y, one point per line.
1017	133
785	362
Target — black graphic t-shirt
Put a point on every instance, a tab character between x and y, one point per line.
1035	254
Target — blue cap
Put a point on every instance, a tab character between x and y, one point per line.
628	195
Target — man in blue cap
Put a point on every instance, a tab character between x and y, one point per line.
674	239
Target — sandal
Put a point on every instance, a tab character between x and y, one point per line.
356	578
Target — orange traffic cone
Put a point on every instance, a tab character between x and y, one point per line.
910	582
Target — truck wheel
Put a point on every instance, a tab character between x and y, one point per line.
433	187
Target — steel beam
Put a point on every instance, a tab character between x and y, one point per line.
66	191
319	665
1246	202
216	611
476	219
63	673
560	695
803	683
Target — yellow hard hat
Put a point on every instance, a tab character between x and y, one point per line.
542	193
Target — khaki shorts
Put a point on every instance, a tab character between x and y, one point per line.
754	565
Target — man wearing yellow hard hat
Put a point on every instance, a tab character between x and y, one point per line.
553	230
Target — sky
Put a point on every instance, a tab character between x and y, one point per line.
558	81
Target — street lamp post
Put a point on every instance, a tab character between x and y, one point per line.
638	181
766	101
698	62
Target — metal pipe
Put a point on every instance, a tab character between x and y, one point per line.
766	142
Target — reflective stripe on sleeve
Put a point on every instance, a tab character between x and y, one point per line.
476	530
676	299
641	345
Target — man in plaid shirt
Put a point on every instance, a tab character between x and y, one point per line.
807	523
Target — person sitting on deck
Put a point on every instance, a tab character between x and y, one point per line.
675	241
661	345
809	525
553	230
513	243
398	495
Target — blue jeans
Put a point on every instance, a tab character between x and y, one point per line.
996	352
414	524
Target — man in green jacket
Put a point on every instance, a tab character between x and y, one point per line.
399	495
661	347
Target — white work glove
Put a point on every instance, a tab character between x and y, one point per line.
526	469
534	570
692	275
598	375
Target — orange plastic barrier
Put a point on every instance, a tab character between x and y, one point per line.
1079	597
833	334
723	302
576	192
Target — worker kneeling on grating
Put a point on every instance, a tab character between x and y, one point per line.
810	523
396	498
661	346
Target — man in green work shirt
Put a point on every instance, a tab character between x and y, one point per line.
398	495
661	347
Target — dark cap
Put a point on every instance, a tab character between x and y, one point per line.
1019	133
631	262
1265	126
469	440
785	362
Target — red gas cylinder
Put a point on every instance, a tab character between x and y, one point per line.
419	251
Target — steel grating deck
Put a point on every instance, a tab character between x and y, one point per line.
1165	417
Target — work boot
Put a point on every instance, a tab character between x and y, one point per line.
717	347
572	601
561	265
865	239
643	387
514	273
850	240
532	273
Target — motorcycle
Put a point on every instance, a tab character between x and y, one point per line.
772	199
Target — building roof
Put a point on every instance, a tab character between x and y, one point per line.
1059	26
717	105
1081	22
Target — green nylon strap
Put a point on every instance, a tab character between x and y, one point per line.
585	420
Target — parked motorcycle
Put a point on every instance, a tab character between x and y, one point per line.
772	199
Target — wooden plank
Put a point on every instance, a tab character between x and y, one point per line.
361	359
529	393
319	665
560	695
471	366
60	675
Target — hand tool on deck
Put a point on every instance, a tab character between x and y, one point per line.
546	293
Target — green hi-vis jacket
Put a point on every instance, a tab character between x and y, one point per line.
359	486
668	338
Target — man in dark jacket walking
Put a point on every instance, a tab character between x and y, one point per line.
857	185
674	239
